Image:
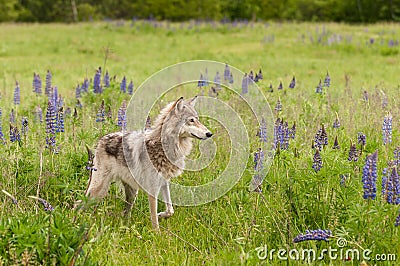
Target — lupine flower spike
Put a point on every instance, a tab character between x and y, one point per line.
278	106
336	144
227	73
47	89
46	206
245	84
60	120
17	94
50	126
97	81
336	123
78	92
251	75
362	140
318	235
292	83
397	222
122	86
100	116
271	89
321	138
262	133
369	176
258	166
387	128
353	153
130	88
14	134
217	80
24	126
37	84
231	78
106	80
327	80
39	114
122	116
280	87
318	89
391	185
317	161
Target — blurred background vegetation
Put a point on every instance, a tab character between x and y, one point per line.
353	11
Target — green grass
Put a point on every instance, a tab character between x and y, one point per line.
226	231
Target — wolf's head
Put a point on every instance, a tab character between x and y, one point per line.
188	120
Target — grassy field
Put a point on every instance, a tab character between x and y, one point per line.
232	229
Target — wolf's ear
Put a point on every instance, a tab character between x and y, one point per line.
192	102
179	104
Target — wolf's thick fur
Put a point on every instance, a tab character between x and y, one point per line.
148	160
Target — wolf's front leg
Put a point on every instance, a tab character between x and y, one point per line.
153	212
169	209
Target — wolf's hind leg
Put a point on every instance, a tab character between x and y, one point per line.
130	197
169	209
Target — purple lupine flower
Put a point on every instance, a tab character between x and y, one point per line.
1	127
317	161
353	153
397	222
343	179
46	205
78	103
60	120
336	123
369	176
100	116
319	89
148	123
50	125
54	98
37	84
106	80
327	80
396	156
130	88
231	78
78	92
278	132
38	114
280	87
85	85
14	133
365	96
24	125
258	166
217	80
278	106
336	144
227	73
292	131
97	81
262	133
362	139
122	85
251	75
391	185
259	75
17	94
245	84
47	89
321	138
318	235
122	116
292	83
12	116
201	83
387	129
271	89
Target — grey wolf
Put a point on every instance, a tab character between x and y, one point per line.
148	159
